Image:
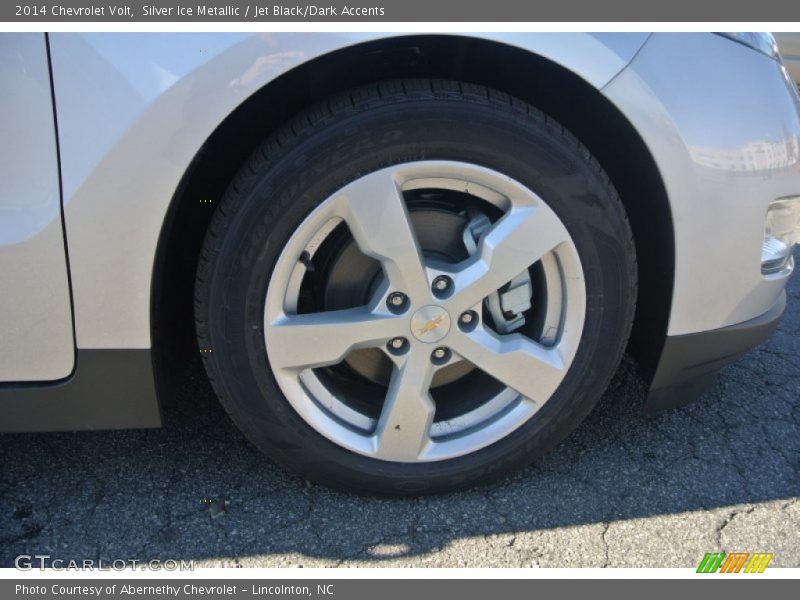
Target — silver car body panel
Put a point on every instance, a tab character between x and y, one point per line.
789	45
134	109
36	341
725	135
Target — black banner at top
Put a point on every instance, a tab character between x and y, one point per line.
389	11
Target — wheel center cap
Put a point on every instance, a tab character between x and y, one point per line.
430	324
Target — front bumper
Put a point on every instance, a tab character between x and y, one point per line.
689	363
722	123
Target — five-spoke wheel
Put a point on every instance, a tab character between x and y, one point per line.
424	337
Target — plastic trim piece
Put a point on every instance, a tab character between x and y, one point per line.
689	363
109	389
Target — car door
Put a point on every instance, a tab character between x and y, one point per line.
36	335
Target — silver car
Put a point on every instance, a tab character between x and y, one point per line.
409	263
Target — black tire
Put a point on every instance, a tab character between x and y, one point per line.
361	131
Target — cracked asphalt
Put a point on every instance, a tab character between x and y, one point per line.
625	490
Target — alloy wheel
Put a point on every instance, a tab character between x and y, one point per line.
436	320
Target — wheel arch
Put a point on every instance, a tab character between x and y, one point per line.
559	92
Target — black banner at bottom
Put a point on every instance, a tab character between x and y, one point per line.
393	589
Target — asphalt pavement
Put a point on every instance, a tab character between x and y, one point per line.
624	490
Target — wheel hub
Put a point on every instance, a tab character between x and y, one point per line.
430	324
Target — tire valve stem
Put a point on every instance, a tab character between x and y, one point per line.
305	258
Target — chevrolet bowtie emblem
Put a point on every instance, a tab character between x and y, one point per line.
431	325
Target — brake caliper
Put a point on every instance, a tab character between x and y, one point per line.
508	304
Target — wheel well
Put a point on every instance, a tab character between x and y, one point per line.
558	92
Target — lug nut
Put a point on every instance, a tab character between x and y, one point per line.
440	355
441	284
396	298
468	320
397	345
397	302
